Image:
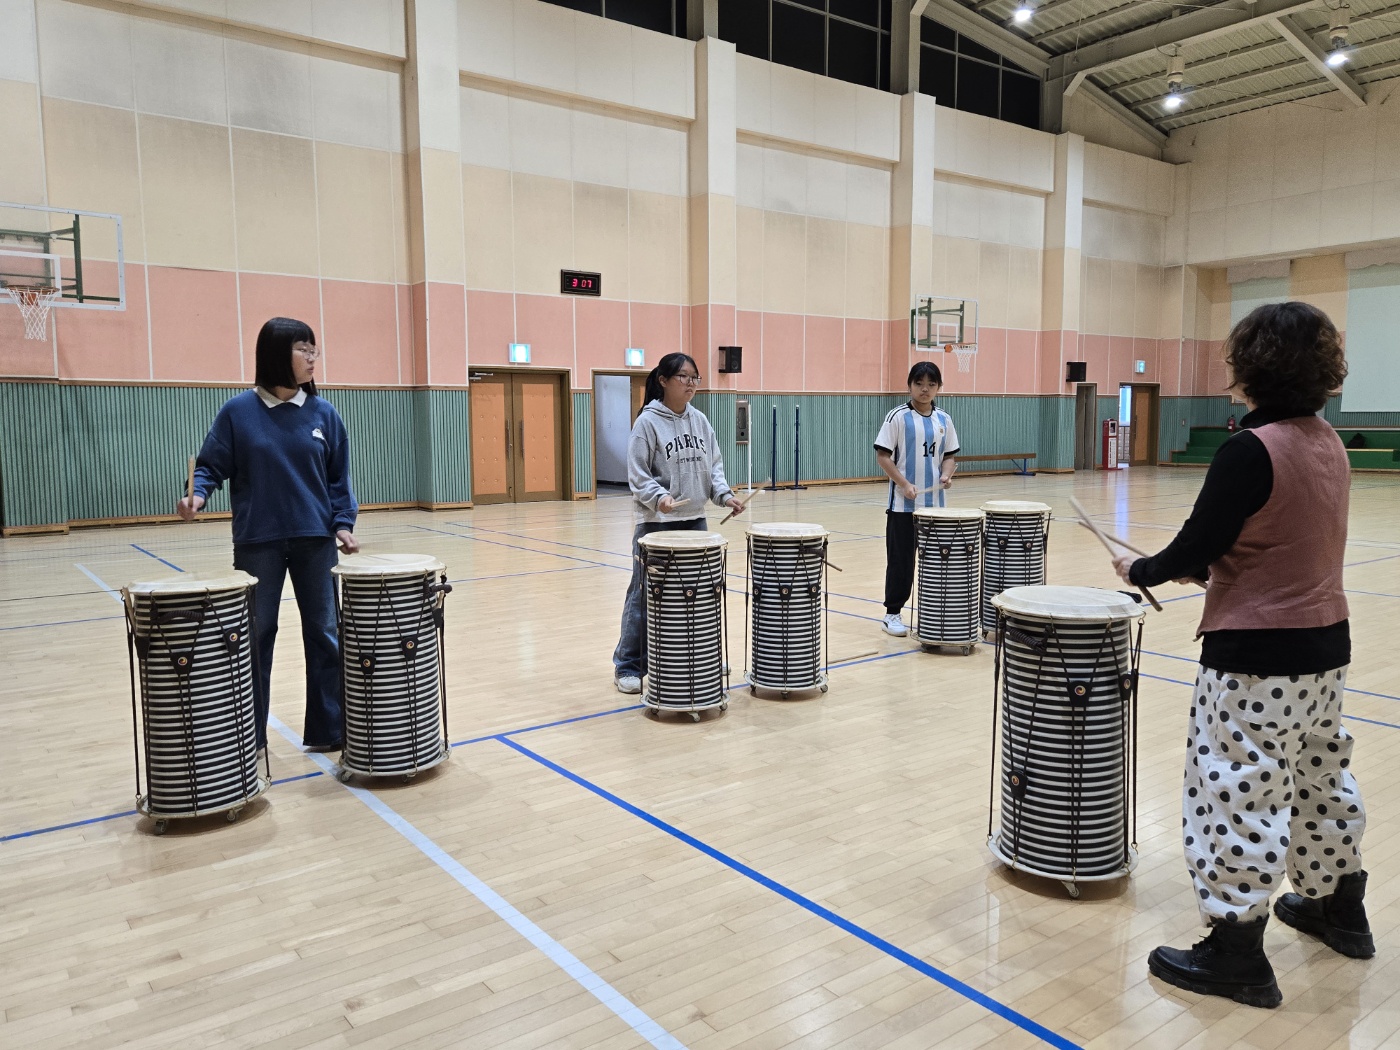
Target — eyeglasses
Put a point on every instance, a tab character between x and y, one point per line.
308	353
688	380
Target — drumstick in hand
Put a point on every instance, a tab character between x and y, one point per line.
1108	546
745	501
189	484
1129	547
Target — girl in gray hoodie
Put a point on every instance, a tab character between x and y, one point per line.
673	468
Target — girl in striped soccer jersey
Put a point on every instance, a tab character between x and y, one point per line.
915	447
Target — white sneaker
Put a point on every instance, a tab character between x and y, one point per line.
892	624
628	683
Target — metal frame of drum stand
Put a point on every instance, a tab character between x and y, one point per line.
140	728
1130	755
441	590
822	684
990	634
966	648
693	709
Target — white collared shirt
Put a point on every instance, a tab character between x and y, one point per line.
271	400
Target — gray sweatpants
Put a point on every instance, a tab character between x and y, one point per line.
1267	791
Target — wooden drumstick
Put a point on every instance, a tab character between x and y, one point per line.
678	503
189	483
1108	546
1129	547
745	501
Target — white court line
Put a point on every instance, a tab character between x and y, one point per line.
605	993
115	595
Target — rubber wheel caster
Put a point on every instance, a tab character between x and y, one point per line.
343	775
695	716
160	827
753	690
786	694
1072	889
724	707
232	816
823	688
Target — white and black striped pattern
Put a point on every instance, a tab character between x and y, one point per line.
950	576
685	586
395	715
1014	542
195	672
786	564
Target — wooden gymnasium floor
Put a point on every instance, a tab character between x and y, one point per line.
799	874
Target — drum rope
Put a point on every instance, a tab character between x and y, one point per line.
131	667
1017	802
749	617
158	622
1136	662
996	722
721	593
234	667
440	618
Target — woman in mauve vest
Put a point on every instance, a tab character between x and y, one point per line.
1268	791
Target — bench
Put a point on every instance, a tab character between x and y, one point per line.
1021	459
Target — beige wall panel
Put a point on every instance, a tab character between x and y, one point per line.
1147	302
1173	304
187	186
92	165
1216	285
964	271
86	54
993	285
355	203
723	275
274	193
749	228
178	72
920	259
1052	290
1023	288
268	89
784	269
442	215
867	270
826	267
1097	296
544	232
398	190
1122	299
698	244
488	228
901	293
413	200
1322	281
22	155
656	247
600	235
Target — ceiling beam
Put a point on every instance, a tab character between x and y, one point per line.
1306	46
1210	112
989	34
1124	115
1197	64
1230	81
1089	20
1200	24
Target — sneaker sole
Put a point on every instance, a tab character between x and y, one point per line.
895	634
1265	996
1352	945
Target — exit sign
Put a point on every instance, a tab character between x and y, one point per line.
576	282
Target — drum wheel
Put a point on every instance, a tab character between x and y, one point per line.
1072	888
823	687
160	827
231	816
344	775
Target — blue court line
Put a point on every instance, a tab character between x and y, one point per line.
157	557
547	725
1372	561
807	904
1351	718
605	993
514	547
1192	660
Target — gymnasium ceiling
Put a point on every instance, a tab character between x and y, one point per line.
1240	54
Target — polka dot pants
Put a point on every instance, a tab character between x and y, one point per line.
1268	791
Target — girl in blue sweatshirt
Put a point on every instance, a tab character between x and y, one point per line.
286	457
673	462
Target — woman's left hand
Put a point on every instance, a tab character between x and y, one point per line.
1123	565
347	541
735	504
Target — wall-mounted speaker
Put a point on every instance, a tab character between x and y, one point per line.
731	359
1076	371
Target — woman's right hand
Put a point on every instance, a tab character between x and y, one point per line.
188	507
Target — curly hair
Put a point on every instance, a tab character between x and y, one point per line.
1286	357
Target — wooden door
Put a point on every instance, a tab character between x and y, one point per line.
491	440
639	386
538	463
1144	435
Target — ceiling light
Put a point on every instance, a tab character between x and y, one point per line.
1176	78
1338	57
1022	14
1173	101
1338	31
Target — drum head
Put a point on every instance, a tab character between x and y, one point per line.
683	540
386	564
188	583
1015	506
1067	603
788	530
948	514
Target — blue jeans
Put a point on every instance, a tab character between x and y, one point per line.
309	562
630	656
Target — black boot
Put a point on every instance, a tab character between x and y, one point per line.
1229	962
1339	919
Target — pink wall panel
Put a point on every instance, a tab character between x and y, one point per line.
490	327
106	344
1051	354
361	332
749	333
403	295
1096	351
656	327
1021	349
899	355
447	334
988	374
782	351
418	299
865	347
546	322
194	325
262	296
20	356
824	354
1120	359
601	336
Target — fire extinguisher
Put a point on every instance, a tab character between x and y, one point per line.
1230	423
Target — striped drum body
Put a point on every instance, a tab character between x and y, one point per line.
391	654
1067	663
1013	550
950	576
685	588
786	564
192	639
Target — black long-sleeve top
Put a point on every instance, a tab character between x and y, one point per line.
1238	484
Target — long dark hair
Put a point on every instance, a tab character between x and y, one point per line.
274	358
667	367
1286	357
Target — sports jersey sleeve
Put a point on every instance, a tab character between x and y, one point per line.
887	440
950	437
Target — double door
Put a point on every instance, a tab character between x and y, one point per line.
517	437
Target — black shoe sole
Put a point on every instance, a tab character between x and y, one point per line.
1264	996
1352	945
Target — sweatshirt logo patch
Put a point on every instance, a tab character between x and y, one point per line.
316	433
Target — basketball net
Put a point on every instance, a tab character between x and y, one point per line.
34	306
964	352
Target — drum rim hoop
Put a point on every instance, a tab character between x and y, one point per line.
1123	607
684	539
950	513
1015	506
393	564
810	530
187	586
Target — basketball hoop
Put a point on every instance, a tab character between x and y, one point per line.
964	352
34	306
